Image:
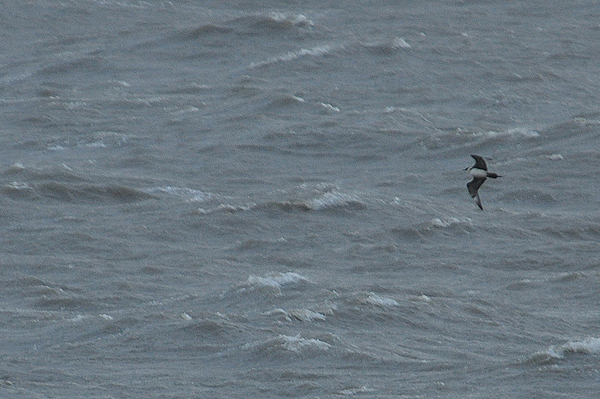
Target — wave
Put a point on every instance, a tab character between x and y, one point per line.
379	300
589	345
464	137
279	20
186	193
388	47
574	231
578	126
442	224
303	315
285	100
214	333
63	173
508	133
327	199
273	21
203	31
254	24
229	208
448	222
69	63
69	192
73	303
101	139
333	200
317	51
275	281
287	343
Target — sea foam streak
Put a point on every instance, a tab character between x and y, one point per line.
589	345
293	55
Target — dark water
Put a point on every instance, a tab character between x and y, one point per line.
233	199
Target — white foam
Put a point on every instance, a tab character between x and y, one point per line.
382	301
354	391
294	19
120	83
15	185
224	208
186	316
329	107
514	132
232	208
186	110
190	194
17	166
276	280
306	315
289	343
332	199
77	318
293	55
587	346
297	343
424	298
449	221
96	144
399	42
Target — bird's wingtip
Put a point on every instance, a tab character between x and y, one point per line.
478	201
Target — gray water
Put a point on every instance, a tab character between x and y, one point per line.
233	199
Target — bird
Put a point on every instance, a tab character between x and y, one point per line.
480	173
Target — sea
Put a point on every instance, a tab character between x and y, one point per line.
267	199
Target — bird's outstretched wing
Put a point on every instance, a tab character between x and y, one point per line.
473	187
479	162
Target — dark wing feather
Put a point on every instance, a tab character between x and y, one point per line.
478	201
473	186
479	162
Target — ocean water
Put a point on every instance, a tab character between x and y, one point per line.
235	199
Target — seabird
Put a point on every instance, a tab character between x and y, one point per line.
480	173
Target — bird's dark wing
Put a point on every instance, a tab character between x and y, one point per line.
473	186
479	162
478	201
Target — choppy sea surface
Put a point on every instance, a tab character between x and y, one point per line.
234	199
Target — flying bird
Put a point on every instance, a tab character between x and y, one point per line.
480	173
